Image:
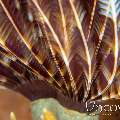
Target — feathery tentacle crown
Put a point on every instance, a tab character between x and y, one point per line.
69	47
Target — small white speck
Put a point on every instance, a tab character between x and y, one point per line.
5	59
30	16
44	110
41	117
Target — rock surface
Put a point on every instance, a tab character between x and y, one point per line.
50	107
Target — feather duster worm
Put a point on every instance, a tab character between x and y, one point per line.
64	49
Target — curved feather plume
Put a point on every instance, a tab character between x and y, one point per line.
66	46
